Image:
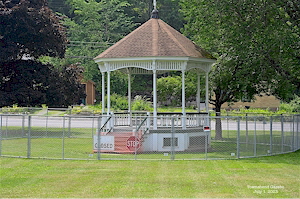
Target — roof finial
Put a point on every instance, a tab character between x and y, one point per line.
154	13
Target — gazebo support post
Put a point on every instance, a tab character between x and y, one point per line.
198	93
129	98
103	93
108	92
198	100
183	101
206	92
154	100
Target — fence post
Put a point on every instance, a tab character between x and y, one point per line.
93	125
69	127
293	136
47	118
206	143
63	141
98	139
247	129
23	126
254	141
238	138
282	134
271	135
297	136
6	126
148	120
100	122
29	137
173	139
98	146
135	137
0	135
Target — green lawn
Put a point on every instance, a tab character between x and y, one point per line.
264	177
78	143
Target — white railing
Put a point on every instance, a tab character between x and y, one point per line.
163	119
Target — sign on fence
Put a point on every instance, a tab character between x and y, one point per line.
133	143
106	142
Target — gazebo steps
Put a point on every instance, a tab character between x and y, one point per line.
120	138
123	129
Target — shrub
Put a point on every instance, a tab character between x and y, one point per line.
13	109
293	106
286	107
141	103
118	102
295	103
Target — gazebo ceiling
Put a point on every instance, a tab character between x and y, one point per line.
154	46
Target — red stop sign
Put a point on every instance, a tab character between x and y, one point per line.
133	143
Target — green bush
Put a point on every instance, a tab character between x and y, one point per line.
286	107
13	109
141	103
97	108
118	102
253	112
77	109
293	106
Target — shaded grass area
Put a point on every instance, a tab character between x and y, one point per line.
29	178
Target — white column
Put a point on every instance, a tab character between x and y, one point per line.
108	92
129	92
154	100
206	91
129	98
183	101
183	91
198	93
103	92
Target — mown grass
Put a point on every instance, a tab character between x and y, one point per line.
77	143
19	132
38	178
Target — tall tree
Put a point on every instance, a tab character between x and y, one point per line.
60	6
168	11
92	24
256	43
31	83
169	88
31	28
95	26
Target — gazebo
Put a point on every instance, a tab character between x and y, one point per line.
155	48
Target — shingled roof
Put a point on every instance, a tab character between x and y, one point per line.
154	38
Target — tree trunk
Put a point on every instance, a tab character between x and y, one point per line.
218	135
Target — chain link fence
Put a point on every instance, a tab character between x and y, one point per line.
134	136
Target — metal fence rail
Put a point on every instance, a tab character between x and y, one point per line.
100	137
